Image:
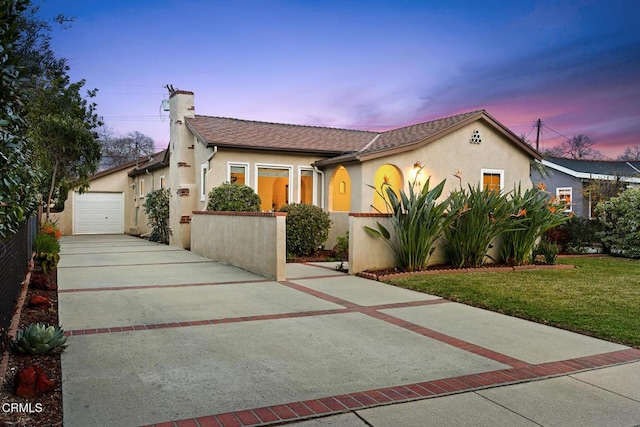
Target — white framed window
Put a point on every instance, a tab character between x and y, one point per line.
306	186
204	168
238	173
273	185
565	195
492	179
162	181
141	188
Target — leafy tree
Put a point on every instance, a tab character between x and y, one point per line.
60	122
63	127
120	150
631	154
17	178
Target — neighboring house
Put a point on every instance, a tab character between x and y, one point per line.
332	168
573	180
113	204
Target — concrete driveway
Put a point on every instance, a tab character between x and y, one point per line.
159	335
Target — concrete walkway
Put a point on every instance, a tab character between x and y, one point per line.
158	335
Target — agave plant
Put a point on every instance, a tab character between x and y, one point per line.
38	338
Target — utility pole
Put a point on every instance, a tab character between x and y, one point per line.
538	125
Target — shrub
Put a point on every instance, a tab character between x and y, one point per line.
233	197
307	228
479	216
156	205
576	235
533	213
418	220
47	250
620	218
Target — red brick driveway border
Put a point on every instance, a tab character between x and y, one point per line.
519	371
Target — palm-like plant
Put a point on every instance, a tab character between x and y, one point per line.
417	219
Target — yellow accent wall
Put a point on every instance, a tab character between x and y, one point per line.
340	190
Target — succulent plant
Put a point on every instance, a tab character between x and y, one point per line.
38	338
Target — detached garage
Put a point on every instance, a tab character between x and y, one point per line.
98	213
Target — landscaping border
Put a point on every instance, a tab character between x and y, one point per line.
389	276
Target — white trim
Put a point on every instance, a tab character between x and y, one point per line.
289	169
586	175
141	188
247	181
204	168
558	189
313	189
162	181
492	172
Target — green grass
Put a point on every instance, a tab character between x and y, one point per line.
601	297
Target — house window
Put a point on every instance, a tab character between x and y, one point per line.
204	168
237	173
306	186
564	195
141	188
493	179
274	186
163	182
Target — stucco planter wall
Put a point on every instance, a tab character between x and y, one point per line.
255	242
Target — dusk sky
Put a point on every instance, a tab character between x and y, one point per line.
371	65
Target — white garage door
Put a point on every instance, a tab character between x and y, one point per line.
98	213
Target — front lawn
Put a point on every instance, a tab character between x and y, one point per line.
601	297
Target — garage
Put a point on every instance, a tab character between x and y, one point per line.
98	213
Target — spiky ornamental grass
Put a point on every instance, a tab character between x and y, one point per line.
417	219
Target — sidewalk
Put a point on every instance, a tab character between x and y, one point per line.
160	335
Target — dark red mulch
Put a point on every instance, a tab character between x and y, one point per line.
319	256
44	410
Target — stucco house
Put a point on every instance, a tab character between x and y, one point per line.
330	167
571	180
285	163
114	202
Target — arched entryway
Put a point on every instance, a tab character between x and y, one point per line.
340	191
390	175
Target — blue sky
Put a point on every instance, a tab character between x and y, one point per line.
363	64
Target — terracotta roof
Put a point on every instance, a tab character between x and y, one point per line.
413	134
236	133
598	167
339	144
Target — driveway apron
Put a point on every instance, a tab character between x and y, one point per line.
160	335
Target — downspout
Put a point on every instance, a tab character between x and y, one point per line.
321	173
215	150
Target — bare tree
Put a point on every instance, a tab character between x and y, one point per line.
120	150
578	147
630	153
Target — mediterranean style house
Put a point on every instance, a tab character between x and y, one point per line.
332	168
573	180
286	163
